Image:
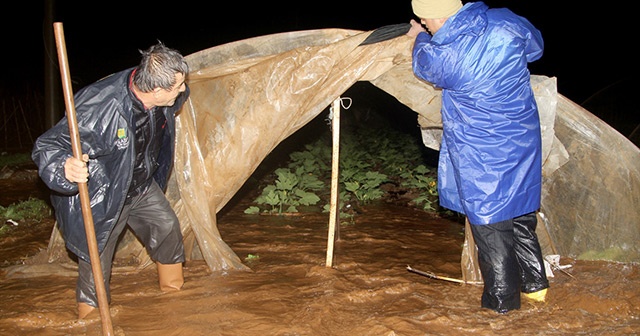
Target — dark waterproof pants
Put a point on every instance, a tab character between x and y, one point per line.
151	218
510	261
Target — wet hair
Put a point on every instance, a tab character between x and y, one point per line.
158	68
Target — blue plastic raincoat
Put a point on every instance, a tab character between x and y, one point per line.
490	157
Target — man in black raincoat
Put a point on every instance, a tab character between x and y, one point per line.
126	124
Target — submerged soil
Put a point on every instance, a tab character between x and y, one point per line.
289	290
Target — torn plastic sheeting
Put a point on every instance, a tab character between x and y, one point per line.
249	95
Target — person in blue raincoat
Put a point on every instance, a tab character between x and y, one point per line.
490	157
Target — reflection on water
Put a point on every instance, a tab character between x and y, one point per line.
368	291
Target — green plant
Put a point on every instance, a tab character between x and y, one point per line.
315	159
423	180
14	159
369	158
252	257
345	208
31	209
4	229
290	190
365	186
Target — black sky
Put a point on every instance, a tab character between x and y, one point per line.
584	46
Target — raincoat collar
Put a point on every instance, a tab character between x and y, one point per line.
471	19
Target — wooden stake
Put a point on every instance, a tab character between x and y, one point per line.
335	174
94	255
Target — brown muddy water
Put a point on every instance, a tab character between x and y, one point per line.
289	290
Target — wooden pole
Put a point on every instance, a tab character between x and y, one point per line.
94	255
335	174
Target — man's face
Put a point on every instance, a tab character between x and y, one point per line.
433	25
168	97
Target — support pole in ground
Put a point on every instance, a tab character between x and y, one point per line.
335	174
83	190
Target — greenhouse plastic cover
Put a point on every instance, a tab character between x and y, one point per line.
248	96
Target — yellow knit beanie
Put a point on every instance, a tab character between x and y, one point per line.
435	9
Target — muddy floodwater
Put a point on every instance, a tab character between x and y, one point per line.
289	290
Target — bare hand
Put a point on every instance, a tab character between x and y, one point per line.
415	29
76	170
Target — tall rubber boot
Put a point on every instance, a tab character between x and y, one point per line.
170	277
84	310
538	296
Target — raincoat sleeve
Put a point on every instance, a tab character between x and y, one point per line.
429	60
52	149
50	152
419	55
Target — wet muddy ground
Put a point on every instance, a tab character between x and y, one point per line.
289	290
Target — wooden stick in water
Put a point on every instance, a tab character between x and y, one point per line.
434	276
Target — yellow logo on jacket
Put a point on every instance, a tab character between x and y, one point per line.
123	141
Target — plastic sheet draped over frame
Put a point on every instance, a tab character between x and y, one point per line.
242	107
273	85
249	95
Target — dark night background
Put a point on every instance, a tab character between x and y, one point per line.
588	48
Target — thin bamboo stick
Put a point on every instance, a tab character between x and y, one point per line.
434	276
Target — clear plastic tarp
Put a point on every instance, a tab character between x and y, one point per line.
249	95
